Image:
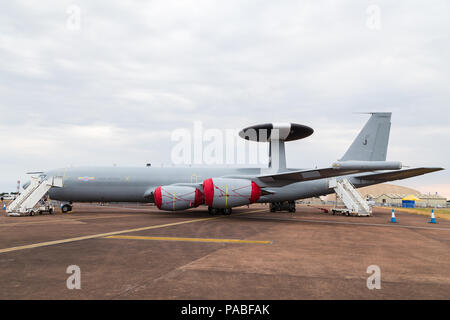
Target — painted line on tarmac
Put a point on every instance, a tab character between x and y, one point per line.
190	239
348	223
72	219
102	235
68	221
139	208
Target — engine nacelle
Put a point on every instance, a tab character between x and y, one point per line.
172	198
228	193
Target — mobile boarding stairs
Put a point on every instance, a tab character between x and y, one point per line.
26	202
353	201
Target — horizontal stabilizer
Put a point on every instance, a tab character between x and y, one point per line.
398	175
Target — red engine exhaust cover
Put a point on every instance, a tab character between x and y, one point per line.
198	198
256	193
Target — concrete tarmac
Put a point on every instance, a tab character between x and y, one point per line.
139	252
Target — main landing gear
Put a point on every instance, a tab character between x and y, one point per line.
216	211
282	206
66	208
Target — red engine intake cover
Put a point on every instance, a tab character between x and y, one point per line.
208	191
158	197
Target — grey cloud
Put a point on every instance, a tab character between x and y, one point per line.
142	67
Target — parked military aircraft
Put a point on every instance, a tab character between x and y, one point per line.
221	189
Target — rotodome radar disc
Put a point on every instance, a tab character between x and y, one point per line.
276	131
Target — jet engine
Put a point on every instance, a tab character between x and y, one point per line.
227	193
172	198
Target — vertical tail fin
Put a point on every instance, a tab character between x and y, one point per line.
372	142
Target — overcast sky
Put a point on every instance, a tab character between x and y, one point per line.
110	84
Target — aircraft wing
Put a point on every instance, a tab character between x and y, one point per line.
307	175
284	178
398	175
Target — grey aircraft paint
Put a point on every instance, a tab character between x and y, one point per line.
372	142
116	184
137	184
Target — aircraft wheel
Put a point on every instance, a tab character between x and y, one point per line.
214	211
66	208
227	211
50	211
31	213
291	207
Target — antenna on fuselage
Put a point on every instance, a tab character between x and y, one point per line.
276	134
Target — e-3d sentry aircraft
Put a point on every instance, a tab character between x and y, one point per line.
221	189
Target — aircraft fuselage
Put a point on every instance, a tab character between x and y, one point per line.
115	184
